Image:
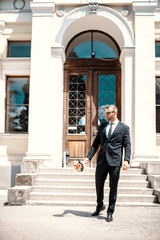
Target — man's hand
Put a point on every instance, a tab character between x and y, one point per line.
125	165
86	160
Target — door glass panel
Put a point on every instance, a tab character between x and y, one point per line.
77	104
92	44
106	95
100	49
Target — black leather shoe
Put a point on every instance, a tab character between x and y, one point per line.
98	210
109	217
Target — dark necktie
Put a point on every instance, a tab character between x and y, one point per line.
110	130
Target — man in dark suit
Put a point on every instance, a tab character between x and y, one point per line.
112	137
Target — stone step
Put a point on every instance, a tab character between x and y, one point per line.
87	204
89	183
89	197
88	170
77	189
67	187
87	176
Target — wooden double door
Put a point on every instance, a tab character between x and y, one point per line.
89	86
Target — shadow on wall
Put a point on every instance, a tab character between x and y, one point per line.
14	170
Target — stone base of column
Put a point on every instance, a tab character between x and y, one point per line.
18	195
31	163
5	169
138	159
4	156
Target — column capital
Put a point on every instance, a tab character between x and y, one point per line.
146	8
58	52
2	26
42	9
127	51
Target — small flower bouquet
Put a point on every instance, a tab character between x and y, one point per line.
78	165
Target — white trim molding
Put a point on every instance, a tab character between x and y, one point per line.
83	2
158	138
2	26
42	9
127	51
58	52
146	8
120	27
157	66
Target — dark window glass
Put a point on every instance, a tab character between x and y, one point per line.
158	119
17	104
19	49
92	45
157	49
101	50
158	90
158	104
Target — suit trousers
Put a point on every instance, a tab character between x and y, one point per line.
102	171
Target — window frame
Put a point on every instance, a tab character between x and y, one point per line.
17	41
6	105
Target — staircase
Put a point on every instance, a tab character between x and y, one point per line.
66	187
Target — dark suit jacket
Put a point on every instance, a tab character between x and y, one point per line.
111	150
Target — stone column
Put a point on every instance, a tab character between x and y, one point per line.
145	130
56	93
5	167
127	96
40	138
2	82
3	149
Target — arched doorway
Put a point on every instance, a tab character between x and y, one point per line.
92	80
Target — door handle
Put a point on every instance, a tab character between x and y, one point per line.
95	131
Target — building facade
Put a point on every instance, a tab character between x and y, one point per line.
61	63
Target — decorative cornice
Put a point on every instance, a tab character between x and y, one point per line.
42	9
93	7
61	11
144	8
125	11
2	26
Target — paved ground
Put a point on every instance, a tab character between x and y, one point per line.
70	223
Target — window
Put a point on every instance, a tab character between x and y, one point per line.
19	49
77	103
92	44
17	104
158	104
157	49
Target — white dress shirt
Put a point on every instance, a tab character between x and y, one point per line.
114	125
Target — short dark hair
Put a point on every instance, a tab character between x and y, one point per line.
112	106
